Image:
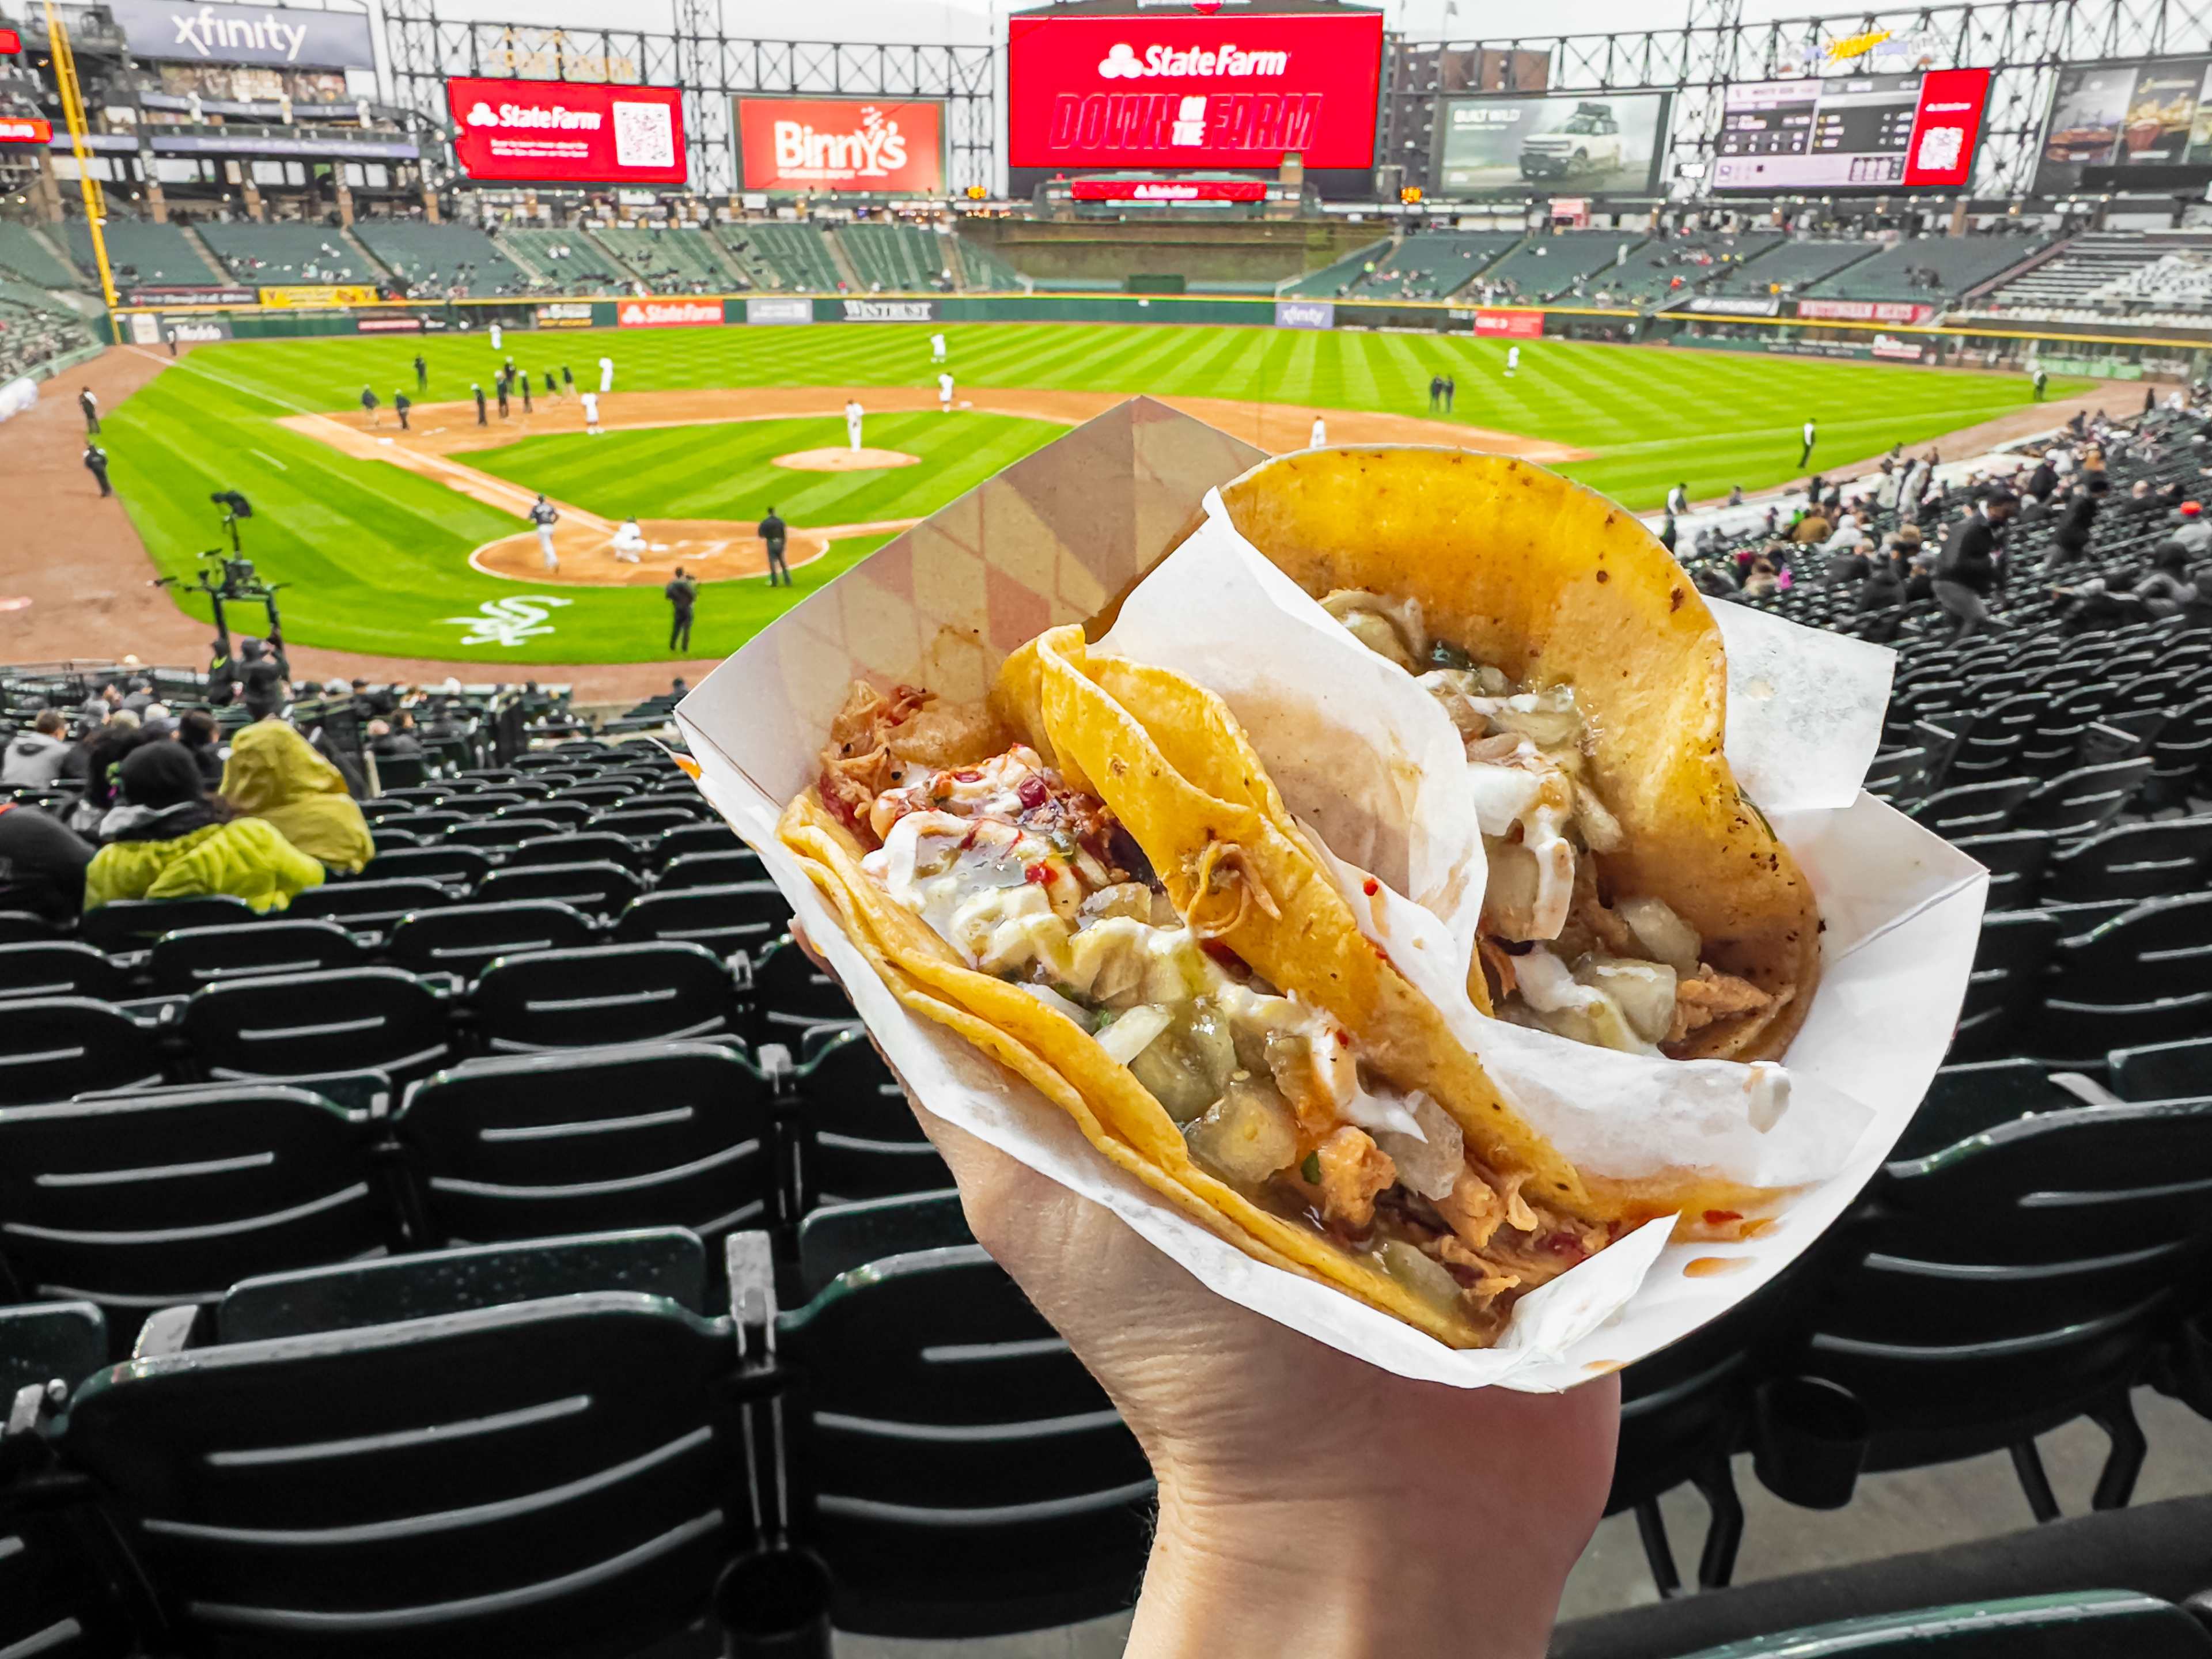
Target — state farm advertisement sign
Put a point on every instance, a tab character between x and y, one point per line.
567	131
877	146
1192	91
1509	325
668	313
1168	190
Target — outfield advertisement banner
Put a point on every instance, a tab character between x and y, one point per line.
2124	125
774	310
887	311
389	325
25	129
272	37
1733	305
1305	313
1509	325
567	131
565	316
668	313
1611	142
316	297
880	146
196	331
1192	91
1866	311
188	294
1168	191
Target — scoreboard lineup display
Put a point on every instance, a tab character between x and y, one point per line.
1856	132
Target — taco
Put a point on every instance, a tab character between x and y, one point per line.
1093	880
1635	898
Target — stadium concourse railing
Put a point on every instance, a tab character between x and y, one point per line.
1930	342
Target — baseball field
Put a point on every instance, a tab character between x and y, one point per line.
415	545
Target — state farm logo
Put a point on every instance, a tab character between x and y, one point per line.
874	149
668	313
522	115
1123	64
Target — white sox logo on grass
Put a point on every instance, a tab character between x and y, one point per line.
509	622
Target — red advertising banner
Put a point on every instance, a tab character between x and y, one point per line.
1193	91
876	145
668	313
567	131
1946	128
1168	190
1509	325
10	43
1866	311
25	129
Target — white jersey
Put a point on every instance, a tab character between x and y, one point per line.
852	416
1319	435
495	336
591	401
936	347
606	375
945	389
1513	356
629	539
1809	434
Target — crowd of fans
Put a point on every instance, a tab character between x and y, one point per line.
1902	543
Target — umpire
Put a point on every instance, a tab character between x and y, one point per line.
683	594
95	462
773	534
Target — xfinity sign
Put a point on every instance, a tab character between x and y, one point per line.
266	36
1305	313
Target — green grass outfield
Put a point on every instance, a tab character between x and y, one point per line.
376	556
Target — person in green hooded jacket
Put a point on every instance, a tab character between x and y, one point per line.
168	839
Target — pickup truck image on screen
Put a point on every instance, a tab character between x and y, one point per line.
1595	145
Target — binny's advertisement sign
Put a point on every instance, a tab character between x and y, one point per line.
276	37
1305	313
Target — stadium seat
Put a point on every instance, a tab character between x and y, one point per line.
2006	984
2144	978
132	924
593	1140
2134	861
716	837
742	916
792	996
857	1138
738	864
568	814
448	865
52	1048
2181	759
373	904
181	962
2013	1281
551	1477
466	939
22	928
387	838
60	968
1974	809
500	832
353	1020
2084	801
639	822
1964	1100
2076	1625
958	1470
588	846
141	1202
2164	1071
597	887
2015	859
610	994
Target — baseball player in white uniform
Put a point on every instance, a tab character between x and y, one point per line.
591	401
1512	360
495	336
544	516
629	541
852	413
936	347
1319	435
945	391
606	375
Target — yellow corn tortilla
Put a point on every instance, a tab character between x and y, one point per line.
1170	761
1551	582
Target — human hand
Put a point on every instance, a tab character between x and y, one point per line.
1310	1503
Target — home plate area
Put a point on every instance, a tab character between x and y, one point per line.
712	550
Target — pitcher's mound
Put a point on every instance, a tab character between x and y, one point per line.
845	460
714	551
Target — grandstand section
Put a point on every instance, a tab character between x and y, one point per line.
1551	267
980	269
675	261
440	259
27	256
564	261
894	256
2063	283
1928	269
140	250
278	255
1667	268
1335	281
1793	267
1433	264
794	256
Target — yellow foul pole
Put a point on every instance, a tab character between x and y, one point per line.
95	204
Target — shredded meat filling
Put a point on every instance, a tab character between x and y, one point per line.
1353	1169
1711	996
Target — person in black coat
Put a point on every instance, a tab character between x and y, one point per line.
1966	572
196	730
2044	480
42	863
2070	541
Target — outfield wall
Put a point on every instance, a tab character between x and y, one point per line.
1974	343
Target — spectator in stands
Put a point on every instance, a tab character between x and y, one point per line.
274	774
1811	530
35	757
1763	581
265	690
2070	541
42	864
1967	572
196	730
170	839
2195	534
2166	589
2044	481
1848	564
1883	588
395	740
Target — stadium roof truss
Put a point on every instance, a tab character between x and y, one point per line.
711	66
2022	41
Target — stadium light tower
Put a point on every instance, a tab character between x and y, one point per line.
1716	14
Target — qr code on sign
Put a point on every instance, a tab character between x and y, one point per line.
1941	149
645	136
